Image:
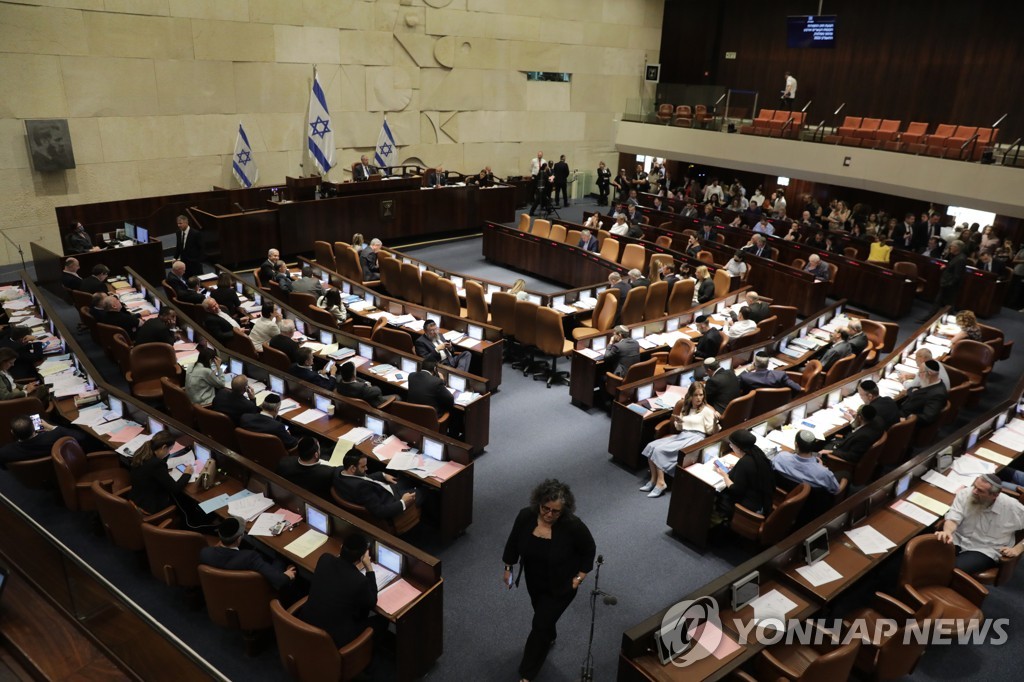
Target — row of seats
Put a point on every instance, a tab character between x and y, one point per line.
776	122
946	141
683	116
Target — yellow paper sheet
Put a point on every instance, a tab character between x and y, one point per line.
992	456
929	503
340	450
304	545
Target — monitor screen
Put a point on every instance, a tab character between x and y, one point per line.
322	403
672	325
745	590
726	363
191	334
257	298
557	301
277	385
129	231
366	351
760	430
797	414
368	297
972	439
434	449
155	426
457	281
637	332
533	298
457	382
3	578
904	483
324	278
375	425
811	31
116	406
239	287
644	392
326	337
131	279
317	519
237	367
408	365
709	453
156	304
202	452
475	331
141	234
599	343
300	326
389	559
435	318
686	379
816	546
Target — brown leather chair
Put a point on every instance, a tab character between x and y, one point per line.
808	663
632	311
995	338
121	519
526	333
706	257
177	403
428	284
975	359
16	407
541	228
476	303
909	271
173	554
810	378
664	241
897	443
390	273
609	249
149	362
396	525
768	399
839	370
238	600
786	315
76	471
765	331
1001	573
394	338
681	297
602	318
349	265
657	297
737	411
929	574
680	355
767	530
664	113
572	237
121	349
323	254
503	312
524	222
636	372
309	654
633	256
558	233
265	449
241	343
34	473
301	300
863	471
723	282
105	334
448	298
321	316
217	426
87	320
410	288
798	263
551	341
424	415
891	655
275	358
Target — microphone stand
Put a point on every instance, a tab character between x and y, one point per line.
587	669
20	252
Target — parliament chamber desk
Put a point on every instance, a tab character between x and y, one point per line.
486	352
474	417
899	505
403	212
147	259
634	419
693	498
417	624
588	369
454	493
981	292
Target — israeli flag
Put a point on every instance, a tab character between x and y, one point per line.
320	134
386	153
243	166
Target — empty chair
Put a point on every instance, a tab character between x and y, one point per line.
973	358
850	126
769	399
238	600
524	222
503	312
476	303
275	358
633	256
602	318
572	237
888	130
657	297
868	128
551	341
637	372
737	411
217	426
609	249
915	133
808	663
177	403
683	116
891	655
394	338
526	332
310	655
428	283
633	309
541	228
173	555
323	253
769	529
390	274
265	449
928	573
701	116
424	415
349	265
410	288
811	378
447	298
681	297
121	519
300	300
723	282
557	233
909	270
680	355
75	471
664	113
839	370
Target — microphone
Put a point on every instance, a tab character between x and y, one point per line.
239	207
609	599
600	558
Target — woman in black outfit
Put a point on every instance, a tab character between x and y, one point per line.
152	485
751	481
225	294
556	551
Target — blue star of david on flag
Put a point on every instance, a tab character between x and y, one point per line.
386	153
243	157
320	127
243	165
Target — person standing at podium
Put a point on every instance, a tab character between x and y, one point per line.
556	551
189	247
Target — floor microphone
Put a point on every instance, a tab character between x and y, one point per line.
610	600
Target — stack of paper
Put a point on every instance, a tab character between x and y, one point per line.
389	448
306	543
466	397
591	353
264	522
929	503
250	506
707	474
914	512
993	456
1009	437
969	465
943	482
772	604
819	573
869	540
308	416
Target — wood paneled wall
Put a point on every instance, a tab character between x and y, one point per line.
940	62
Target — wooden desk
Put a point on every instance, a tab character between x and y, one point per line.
982	292
555	261
143	258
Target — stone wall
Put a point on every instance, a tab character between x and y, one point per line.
153	90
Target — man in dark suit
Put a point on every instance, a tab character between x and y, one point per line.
866	431
69	277
706	233
669	276
710	339
351	387
340	595
762	377
267	422
303	369
935	248
176	277
305	469
638	279
588	241
858	339
987	264
758	309
615	281
96	283
27	443
368	259
542	190
115	314
432	346
228	555
427	388
950	279
189	247
220	325
839	349
192	293
236	401
437	177
887	412
903	234
27	350
284	341
927	400
757	246
622	353
268	268
159	329
362	170
721	386
378	492
560	172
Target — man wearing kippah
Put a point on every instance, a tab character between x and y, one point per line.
228	555
267	422
804	466
927	400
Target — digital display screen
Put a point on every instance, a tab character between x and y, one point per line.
375	425
141	234
433	449
811	31
322	403
366	351
155	426
389	559
317	519
326	337
408	365
236	367
116	406
457	382
277	385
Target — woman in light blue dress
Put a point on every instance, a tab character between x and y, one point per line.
694	421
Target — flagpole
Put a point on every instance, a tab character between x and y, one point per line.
311	85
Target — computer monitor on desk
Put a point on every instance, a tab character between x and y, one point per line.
129	231
433	449
141	234
277	385
375	425
318	519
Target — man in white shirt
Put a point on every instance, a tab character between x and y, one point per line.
764	227
742	326
789	93
536	163
265	328
714	190
922	356
621	227
981	524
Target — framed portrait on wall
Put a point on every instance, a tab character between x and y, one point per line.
49	144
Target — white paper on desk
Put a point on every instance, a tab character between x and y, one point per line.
129	448
1016	424
402	319
869	540
112	426
591	353
707	474
188	459
308	416
249	507
889	388
1008	438
466	397
90	416
647	343
993	456
922	516
287	405
263	523
357	434
819	573
773	605
969	465
403	461
785	438
942	482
